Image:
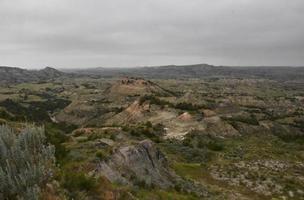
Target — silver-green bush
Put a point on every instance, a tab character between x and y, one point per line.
26	162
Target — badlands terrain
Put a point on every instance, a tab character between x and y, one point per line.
172	132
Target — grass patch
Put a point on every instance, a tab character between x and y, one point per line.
163	195
79	181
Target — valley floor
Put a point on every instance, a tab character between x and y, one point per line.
130	138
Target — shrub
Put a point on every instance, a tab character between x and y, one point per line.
215	146
26	162
56	135
113	137
134	133
79	181
154	100
148	130
140	183
37	111
252	120
101	155
187	106
5	115
187	153
148	124
2	121
88	86
125	128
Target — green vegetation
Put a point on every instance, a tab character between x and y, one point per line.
244	119
154	100
182	106
79	181
104	154
217	138
26	163
57	134
147	130
33	111
163	195
185	152
188	106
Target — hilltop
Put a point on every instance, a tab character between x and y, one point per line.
9	75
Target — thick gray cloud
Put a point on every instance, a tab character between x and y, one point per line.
120	33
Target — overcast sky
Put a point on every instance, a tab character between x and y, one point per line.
124	33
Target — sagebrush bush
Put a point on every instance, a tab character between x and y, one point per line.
26	162
101	155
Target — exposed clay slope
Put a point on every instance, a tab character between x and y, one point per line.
136	112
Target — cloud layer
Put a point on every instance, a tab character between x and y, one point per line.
121	33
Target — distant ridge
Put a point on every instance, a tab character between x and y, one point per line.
201	71
12	75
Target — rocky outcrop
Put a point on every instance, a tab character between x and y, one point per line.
144	165
141	163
